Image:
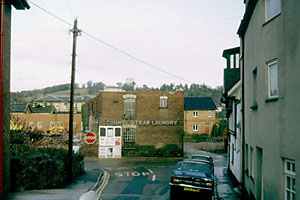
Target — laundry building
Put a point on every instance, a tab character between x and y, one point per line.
139	123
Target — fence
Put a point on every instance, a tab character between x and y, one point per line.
204	139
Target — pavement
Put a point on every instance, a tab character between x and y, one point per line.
90	185
84	188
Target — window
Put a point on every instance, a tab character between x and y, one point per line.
31	124
273	8
163	102
129	108
102	132
52	124
246	159
118	132
254	87
232	154
129	137
290	179
195	127
251	163
272	79
209	113
40	124
110	132
195	114
65	106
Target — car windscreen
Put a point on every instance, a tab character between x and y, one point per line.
195	167
200	158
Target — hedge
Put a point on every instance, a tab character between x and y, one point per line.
42	168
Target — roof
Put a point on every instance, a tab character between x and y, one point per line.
48	99
231	51
51	98
199	103
20	4
247	17
18	108
42	109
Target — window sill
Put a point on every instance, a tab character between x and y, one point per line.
254	107
271	19
271	99
163	107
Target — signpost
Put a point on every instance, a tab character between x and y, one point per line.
90	138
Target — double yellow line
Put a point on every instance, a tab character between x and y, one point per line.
105	177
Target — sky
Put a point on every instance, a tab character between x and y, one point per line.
154	42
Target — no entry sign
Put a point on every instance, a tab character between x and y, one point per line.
90	138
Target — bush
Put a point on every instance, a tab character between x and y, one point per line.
41	168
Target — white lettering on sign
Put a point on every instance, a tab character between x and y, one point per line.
143	122
121	174
90	137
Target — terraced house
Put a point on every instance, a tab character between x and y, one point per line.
270	57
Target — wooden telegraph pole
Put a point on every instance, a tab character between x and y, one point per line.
76	33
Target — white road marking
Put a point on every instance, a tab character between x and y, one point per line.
153	178
150	171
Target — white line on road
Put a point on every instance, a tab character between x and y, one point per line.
153	178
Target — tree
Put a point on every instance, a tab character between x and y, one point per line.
214	131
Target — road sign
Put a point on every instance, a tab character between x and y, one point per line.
90	138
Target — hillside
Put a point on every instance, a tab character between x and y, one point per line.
92	89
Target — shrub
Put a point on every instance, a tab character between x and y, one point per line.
41	168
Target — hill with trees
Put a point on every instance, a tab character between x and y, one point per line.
92	88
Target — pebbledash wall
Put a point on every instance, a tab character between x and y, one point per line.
152	122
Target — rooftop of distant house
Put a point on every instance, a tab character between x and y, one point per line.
199	103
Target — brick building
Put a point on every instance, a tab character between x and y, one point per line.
199	115
46	118
149	123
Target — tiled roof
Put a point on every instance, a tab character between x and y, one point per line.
42	109
199	103
48	99
58	99
20	108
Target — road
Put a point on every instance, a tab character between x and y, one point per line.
150	180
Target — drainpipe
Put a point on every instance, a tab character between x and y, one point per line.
243	111
1	93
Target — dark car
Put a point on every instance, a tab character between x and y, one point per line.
205	159
192	177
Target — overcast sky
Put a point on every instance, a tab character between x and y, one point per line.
184	38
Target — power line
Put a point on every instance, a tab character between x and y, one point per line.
113	47
48	12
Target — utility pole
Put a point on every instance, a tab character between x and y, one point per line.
76	33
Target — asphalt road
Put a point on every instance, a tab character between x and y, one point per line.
150	180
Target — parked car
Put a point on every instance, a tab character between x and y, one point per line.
192	177
204	158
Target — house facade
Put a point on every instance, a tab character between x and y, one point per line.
138	123
232	100
270	57
46	118
199	115
62	104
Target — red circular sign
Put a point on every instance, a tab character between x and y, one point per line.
90	138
